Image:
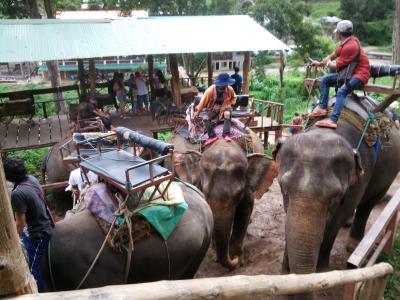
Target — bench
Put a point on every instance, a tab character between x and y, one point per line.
20	107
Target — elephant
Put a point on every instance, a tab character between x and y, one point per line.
76	241
230	181
324	179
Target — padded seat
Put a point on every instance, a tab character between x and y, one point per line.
113	165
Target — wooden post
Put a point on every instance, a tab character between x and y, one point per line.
150	64
92	76
209	69
176	91
281	68
246	69
374	289
15	278
82	83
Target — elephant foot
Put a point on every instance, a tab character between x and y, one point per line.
231	264
351	244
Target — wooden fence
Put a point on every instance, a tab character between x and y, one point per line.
232	287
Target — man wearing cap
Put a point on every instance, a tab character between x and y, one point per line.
348	52
218	100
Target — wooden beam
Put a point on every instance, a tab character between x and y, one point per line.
209	69
176	91
230	287
367	244
92	76
150	64
81	77
246	70
15	278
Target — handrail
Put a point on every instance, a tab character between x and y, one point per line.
232	287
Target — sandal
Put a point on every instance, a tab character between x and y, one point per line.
326	124
210	141
319	112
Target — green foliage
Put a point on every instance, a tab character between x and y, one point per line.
321	47
368	16
14	9
324	8
392	291
33	159
67	4
259	63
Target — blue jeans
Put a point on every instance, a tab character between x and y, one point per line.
331	80
142	99
36	249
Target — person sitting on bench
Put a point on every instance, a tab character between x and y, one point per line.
91	110
350	57
218	100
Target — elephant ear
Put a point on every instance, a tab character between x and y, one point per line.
186	166
261	171
358	169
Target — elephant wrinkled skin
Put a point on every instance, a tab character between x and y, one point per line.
230	181
77	240
324	180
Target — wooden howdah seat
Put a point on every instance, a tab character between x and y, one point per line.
84	124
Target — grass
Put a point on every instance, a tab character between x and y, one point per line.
392	291
321	9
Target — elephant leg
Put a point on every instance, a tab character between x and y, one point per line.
330	234
240	224
360	220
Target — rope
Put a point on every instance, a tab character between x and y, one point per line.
97	256
371	117
169	260
190	186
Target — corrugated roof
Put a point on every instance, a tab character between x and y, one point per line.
103	67
41	40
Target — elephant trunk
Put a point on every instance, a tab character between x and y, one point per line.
305	225
223	221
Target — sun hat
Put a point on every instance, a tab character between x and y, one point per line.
224	80
344	26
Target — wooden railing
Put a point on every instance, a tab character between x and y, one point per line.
233	287
378	239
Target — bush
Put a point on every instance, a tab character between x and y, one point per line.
377	33
33	159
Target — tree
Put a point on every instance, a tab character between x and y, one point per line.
396	35
372	19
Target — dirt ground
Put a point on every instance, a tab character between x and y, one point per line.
264	242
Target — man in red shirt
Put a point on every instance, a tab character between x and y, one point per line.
345	54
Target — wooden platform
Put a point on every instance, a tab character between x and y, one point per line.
21	135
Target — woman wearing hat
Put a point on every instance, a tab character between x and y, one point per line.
218	100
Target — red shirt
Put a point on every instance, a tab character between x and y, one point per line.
346	53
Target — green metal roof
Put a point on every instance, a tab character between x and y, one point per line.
42	40
103	67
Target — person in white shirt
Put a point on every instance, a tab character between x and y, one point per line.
142	92
77	182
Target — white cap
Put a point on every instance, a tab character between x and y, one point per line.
394	105
344	26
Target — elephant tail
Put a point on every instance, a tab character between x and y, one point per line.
43	168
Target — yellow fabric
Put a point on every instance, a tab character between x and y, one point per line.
172	196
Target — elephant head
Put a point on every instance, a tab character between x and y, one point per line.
315	171
230	181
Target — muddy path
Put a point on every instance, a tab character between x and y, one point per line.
265	240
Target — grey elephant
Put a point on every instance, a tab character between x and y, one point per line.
230	181
76	241
323	181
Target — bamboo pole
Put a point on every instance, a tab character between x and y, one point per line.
15	278
233	287
246	70
176	91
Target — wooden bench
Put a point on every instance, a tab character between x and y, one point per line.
20	107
